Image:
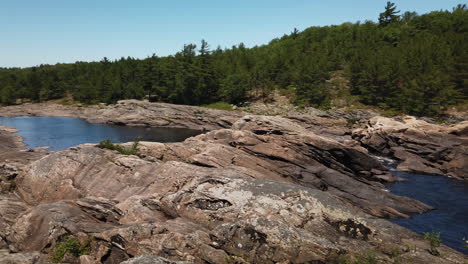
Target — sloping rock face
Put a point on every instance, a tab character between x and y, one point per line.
152	260
276	148
267	190
420	146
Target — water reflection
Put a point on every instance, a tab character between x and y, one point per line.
64	132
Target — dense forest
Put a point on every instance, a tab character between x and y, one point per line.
412	63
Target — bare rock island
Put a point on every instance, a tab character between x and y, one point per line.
253	189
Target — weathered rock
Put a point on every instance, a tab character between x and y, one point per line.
40	227
152	260
10	209
87	259
278	149
266	190
134	113
203	214
20	258
206	215
420	146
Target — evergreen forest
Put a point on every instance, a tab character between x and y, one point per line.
410	63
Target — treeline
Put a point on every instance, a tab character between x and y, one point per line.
412	63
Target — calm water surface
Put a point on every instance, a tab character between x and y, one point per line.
63	132
449	197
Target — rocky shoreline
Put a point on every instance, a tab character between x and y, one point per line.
133	113
254	189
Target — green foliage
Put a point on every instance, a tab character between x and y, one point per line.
389	16
434	241
219	106
416	64
133	150
71	245
351	122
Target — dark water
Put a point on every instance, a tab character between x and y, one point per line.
449	197
64	132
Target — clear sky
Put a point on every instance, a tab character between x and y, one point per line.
37	32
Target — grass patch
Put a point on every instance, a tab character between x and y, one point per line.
71	245
133	150
368	258
219	106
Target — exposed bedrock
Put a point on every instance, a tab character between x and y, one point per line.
420	146
182	211
265	191
255	189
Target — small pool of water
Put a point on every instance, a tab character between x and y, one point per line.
449	197
63	132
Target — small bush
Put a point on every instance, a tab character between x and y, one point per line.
367	259
351	122
107	144
72	246
219	106
434	241
289	92
391	113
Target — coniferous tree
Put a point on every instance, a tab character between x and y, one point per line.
417	64
389	16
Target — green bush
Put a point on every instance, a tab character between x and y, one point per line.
219	106
107	144
71	245
434	241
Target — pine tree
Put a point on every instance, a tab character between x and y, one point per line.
389	16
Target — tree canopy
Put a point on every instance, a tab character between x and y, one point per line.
417	64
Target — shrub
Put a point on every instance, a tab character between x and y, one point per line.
133	150
434	241
219	106
71	245
352	121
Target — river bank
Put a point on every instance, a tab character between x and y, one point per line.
254	189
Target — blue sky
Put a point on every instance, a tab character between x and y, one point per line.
37	32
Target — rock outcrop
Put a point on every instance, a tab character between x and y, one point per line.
181	211
279	149
254	189
266	190
133	113
420	146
